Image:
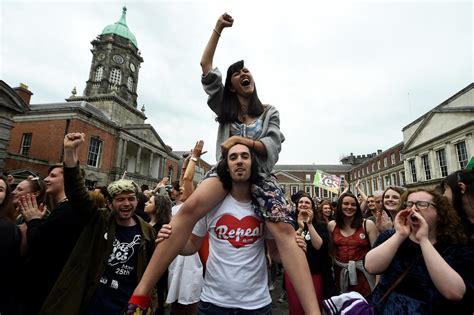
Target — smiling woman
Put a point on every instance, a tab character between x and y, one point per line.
352	237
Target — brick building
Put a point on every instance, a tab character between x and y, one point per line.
118	141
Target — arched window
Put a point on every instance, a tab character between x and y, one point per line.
99	71
115	76
130	84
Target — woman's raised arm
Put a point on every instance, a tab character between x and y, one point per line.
225	20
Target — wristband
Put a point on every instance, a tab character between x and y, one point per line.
143	301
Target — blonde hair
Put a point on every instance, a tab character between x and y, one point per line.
121	185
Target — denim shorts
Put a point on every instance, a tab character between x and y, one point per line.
206	308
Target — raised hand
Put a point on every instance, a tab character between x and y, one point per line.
419	225
30	209
225	20
401	224
73	140
383	221
230	142
197	151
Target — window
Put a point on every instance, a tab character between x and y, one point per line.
387	180
316	191
308	177
394	179
115	76
358	174
426	166
342	180
385	162
378	164
402	178
294	189
99	71
411	163
170	173
363	171
95	149
307	189
367	170
325	193
130	84
392	158
374	182
25	144
443	167
462	154
373	167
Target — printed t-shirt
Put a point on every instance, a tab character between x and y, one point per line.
236	275
120	276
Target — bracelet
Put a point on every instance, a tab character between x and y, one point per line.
194	159
217	32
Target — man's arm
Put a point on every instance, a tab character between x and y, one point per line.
192	245
74	184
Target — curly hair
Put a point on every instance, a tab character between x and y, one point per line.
320	209
449	229
339	216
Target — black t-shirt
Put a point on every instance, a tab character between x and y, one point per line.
120	276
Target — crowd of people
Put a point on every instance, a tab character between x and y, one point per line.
124	249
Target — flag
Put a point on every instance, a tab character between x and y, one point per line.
327	181
470	164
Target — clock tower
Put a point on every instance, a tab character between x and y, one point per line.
113	76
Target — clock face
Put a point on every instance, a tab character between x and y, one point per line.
132	67
117	59
101	56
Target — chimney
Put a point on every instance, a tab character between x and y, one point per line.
379	152
24	93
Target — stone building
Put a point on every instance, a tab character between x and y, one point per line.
118	141
383	169
441	141
11	103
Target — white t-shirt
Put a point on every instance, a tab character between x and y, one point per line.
236	274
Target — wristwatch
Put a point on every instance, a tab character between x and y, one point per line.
194	159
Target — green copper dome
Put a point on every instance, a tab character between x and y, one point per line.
120	28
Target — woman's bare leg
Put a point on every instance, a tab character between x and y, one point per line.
295	264
206	196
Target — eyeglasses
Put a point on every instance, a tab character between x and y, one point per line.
420	205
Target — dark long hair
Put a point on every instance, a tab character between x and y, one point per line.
230	101
452	180
223	170
317	216
6	207
162	209
356	221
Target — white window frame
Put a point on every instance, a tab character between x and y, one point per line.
94	152
461	153
25	146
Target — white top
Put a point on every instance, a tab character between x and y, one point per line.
236	275
184	277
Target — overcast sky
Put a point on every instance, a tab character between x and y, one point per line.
345	76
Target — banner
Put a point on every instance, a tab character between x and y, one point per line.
327	181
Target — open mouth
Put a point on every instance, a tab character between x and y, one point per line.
245	82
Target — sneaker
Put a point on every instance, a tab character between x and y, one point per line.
282	298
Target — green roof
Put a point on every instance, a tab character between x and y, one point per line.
120	28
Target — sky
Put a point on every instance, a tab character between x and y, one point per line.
346	76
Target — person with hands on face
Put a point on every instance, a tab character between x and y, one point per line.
427	245
242	119
30	209
314	232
